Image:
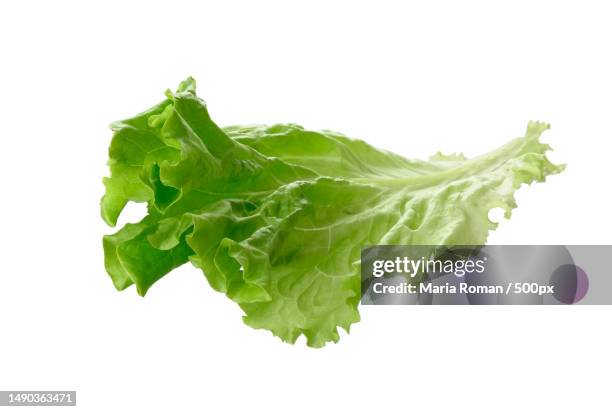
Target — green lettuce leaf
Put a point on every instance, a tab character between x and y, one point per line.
276	216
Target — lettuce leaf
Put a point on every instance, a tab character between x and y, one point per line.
276	216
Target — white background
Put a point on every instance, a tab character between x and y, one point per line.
412	77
